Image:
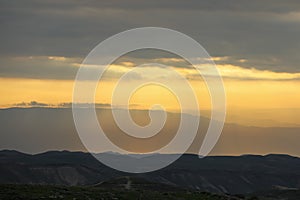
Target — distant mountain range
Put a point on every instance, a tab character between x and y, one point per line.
219	174
36	130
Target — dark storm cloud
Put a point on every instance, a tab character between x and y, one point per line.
265	34
277	6
40	67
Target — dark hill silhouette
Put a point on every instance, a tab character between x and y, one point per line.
222	174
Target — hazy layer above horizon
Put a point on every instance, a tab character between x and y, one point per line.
41	129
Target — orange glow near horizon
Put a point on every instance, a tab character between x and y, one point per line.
241	95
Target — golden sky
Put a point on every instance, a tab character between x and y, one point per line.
260	95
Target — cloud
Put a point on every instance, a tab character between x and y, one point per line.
236	72
31	104
65	68
38	67
57	58
35	104
57	67
265	34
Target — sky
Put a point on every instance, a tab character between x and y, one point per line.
254	44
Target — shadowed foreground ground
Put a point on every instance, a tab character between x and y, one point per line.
80	192
132	188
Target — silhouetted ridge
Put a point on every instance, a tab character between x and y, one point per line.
222	174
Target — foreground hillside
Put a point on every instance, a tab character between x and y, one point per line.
27	192
142	190
221	174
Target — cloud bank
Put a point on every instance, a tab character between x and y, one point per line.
263	35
